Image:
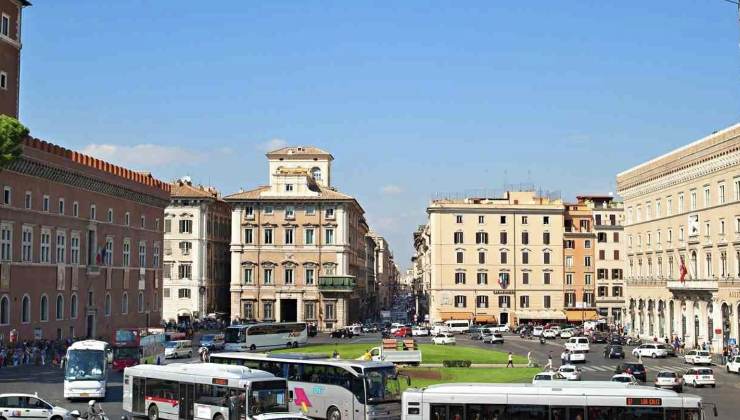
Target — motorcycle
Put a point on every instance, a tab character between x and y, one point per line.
94	412
542	340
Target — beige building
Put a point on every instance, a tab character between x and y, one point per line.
421	263
685	206
386	271
299	246
496	259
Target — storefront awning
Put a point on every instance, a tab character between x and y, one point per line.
580	315
485	319
522	315
462	315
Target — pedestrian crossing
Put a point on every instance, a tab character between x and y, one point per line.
610	368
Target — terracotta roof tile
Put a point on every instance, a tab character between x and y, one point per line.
183	189
324	194
299	151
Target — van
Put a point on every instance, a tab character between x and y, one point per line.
439	328
578	343
356	329
457	327
178	348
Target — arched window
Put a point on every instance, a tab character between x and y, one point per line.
73	307
4	310
26	309
141	302
44	308
107	304
156	299
316	174
124	303
60	307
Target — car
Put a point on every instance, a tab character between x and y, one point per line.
395	326
419	331
547	377
550	333
498	327
443	338
178	348
650	350
402	332
577	356
635	369
212	341
577	343
477	333
669	350
614	351
668	379
494	338
571	373
625	378
733	364
598	337
616	340
439	328
537	331
341	333
567	333
698	357
699	377
16	406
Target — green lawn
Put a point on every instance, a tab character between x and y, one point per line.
430	353
429	376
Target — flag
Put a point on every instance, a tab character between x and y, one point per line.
503	280
101	256
682	271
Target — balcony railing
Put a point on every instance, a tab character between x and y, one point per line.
337	283
693	285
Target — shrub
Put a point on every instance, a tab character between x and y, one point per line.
456	363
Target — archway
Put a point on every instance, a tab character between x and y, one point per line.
725	324
661	318
697	323
671	318
651	317
684	321
710	324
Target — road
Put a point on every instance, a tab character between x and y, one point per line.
47	381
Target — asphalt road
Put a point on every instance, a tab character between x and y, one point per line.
47	381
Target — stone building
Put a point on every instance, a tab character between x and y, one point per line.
578	263
197	230
11	13
683	213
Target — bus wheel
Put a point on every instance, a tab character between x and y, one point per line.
252	347
295	344
333	414
153	412
218	416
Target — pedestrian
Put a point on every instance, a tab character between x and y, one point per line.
725	353
510	363
548	366
639	357
563	355
529	359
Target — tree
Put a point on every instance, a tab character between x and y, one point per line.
12	134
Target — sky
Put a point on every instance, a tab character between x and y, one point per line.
412	98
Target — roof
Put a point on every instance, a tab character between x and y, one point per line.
299	151
606	388
255	194
182	188
204	369
292	357
88	345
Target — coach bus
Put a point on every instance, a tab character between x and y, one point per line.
85	369
264	336
331	389
582	400
202	391
134	346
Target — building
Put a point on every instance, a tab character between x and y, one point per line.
11	13
496	259
683	213
298	246
386	272
579	264
421	264
80	245
197	231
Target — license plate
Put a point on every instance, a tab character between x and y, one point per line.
84	394
705	377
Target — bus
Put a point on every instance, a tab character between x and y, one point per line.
331	389
85	369
202	391
265	336
133	346
587	400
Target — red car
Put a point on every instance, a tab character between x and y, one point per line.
402	332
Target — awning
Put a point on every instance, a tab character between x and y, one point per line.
486	319
462	316
539	315
579	315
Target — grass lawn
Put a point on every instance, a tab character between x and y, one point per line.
430	353
429	376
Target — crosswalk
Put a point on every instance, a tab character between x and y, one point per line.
611	368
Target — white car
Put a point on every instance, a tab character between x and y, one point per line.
395	326
578	343
566	333
493	338
537	331
570	372
24	406
625	378
549	333
499	328
419	331
698	357
668	379
577	356
444	338
699	377
733	364
178	348
650	350
548	377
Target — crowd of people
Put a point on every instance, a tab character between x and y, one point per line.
36	353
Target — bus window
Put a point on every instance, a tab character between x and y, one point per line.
675	414
527	412
636	413
456	412
438	412
294	372
211	395
484	412
160	388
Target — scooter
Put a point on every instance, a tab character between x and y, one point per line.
542	340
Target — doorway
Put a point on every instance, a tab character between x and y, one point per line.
288	310
504	318
187	392
90	326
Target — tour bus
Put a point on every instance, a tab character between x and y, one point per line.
133	346
333	389
567	400
265	336
202	391
85	369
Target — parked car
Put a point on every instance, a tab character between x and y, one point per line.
733	365
578	356
614	351
635	369
443	338
698	357
341	333
498	327
616	340
548	377
667	379
419	331
550	333
395	326
494	338
571	373
478	333
24	406
213	341
537	331
650	350
699	377
567	333
402	332
625	378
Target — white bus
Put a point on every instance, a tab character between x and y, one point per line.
334	389
202	391
566	400
265	336
457	326
85	369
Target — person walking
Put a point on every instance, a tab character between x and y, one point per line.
529	359
548	366
563	356
510	363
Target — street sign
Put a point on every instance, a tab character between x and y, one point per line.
732	342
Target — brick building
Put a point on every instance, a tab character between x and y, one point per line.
10	54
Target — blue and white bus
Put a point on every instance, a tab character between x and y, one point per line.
264	336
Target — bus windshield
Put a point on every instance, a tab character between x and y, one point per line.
125	353
85	365
234	335
267	397
382	385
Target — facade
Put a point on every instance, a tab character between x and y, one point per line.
386	272
197	230
298	246
495	259
683	211
80	245
578	262
11	12
421	263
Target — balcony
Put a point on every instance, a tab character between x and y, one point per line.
337	283
693	285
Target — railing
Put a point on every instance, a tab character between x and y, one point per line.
645	282
696	285
337	283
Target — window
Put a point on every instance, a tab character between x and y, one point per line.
310	272
504	301
310	210
525	238
569	261
156	227
459	257
110	215
93	214
248	236
44	308
569	244
6	242
503	257
693	200
26	309
587	279
289	233
669	206
142	254
61	206
708	268
249	212
329	311
707	201
267	310
503	238
5	27
28	201
140	302
545	220
308	236
184	271
721	193
481	257
186	226
460	277
546	257
248	278
482	277
45	203
75	248
570	300
45	254
736	182
502	220
524	220
27	244
183	293
547	302
524	301
288	187
657	208
481	238
525	257
4	310
61	247
267	276
461	301
457	237
602	255
602	274
481	302
546	279
329	213
546	238
290	212
329	236
267	236
707	229
601	237
155	256
587	261
127	220
458	219
616	254
680	203
481	219
267	210
721	227
126	252
73	307
587	244
107	304
680	233
569	278
309	310
289	276
7	194
3	80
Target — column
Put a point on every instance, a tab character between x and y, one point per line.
689	338
236	272
299	315
716	340
703	314
277	308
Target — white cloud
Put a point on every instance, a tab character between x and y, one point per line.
271	145
140	156
391	189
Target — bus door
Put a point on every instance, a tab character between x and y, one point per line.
137	396
187	392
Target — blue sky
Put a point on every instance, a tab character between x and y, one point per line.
411	98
